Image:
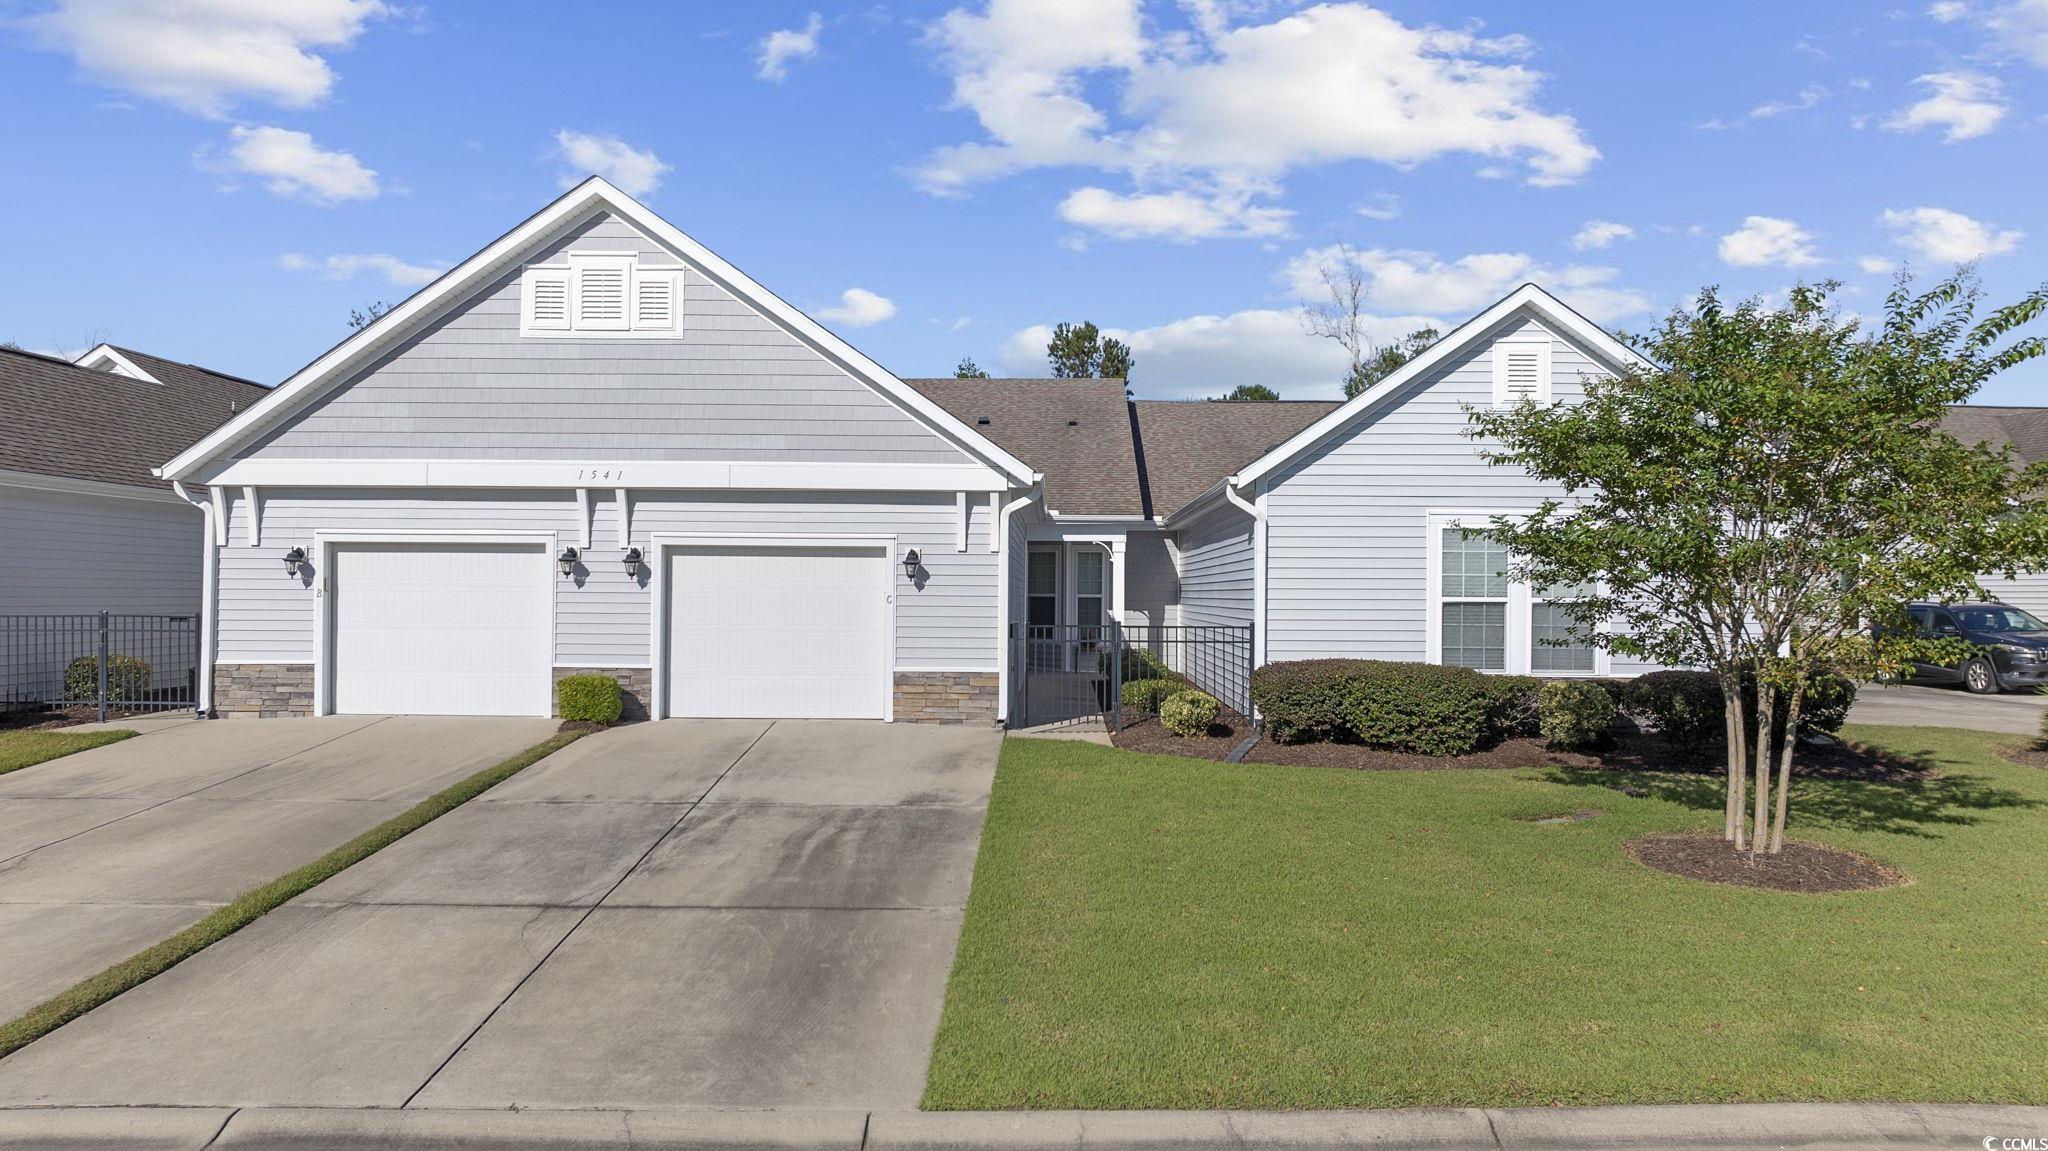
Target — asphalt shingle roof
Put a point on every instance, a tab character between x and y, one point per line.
2025	429
58	419
1076	432
1190	445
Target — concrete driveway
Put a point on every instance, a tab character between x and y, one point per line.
107	851
683	914
1948	707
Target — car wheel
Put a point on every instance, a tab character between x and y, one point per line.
1980	677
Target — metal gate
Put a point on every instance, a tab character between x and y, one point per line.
1074	676
111	663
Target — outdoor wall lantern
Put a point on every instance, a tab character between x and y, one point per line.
567	561
911	561
292	560
632	561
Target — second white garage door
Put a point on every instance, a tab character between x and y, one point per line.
438	629
778	633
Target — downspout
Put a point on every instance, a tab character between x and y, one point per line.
1258	513
1002	529
209	577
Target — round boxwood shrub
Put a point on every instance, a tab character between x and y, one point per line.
127	677
1302	701
1147	694
1687	706
1576	713
1189	712
1424	708
589	698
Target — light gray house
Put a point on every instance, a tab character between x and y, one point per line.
91	528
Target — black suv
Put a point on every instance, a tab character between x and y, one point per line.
2012	646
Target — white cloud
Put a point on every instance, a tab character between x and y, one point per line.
1964	105
1947	237
347	265
206	55
1379	206
2021	27
1948	11
1078	83
858	308
779	48
1877	265
1181	215
636	173
1421	283
1809	97
290	164
1764	241
1601	233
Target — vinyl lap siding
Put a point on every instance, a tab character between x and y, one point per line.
1216	577
735	386
602	617
83	553
2029	591
1151	587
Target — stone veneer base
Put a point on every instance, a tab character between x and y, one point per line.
263	690
946	696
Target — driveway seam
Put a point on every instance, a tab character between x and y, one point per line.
175	798
581	920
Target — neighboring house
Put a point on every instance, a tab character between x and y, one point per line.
2025	431
90	527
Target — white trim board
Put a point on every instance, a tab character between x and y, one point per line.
70	485
121	365
639	475
581	202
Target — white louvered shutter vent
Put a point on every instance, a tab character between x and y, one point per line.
654	301
1525	375
547	299
601	296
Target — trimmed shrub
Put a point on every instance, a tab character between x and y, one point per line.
1147	694
128	677
1685	706
1825	706
1138	664
1189	712
1516	708
589	698
1303	701
1576	713
1424	708
2044	727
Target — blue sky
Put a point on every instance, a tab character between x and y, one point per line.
222	181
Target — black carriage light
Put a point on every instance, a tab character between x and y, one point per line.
567	561
911	561
292	560
632	561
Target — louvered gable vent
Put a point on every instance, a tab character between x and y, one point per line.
1521	368
607	293
654	301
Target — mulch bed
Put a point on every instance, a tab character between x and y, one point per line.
2027	754
1150	736
1630	752
52	718
1801	867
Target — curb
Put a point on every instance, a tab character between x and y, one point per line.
1698	1127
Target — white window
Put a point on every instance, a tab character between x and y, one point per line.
1480	618
1521	368
601	294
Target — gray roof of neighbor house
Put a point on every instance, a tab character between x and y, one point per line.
58	419
1076	432
1103	455
2025	429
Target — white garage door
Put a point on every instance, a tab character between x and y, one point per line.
776	633
438	629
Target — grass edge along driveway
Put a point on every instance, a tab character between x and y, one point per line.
19	749
251	905
1158	932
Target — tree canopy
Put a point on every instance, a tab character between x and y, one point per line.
967	369
1385	359
1080	351
1251	394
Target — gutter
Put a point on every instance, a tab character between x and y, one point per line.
208	595
1002	529
1257	510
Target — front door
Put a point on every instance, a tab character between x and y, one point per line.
1042	610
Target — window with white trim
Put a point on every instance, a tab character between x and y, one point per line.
1480	618
600	294
1521	368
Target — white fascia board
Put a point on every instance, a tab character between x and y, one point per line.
592	195
78	487
1549	307
634	474
109	354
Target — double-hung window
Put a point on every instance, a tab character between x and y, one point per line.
1480	618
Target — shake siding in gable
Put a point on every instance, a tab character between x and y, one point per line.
1347	557
602	616
735	386
1216	577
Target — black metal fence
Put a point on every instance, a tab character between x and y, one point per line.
113	663
1074	675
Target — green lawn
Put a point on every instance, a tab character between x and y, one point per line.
1148	931
19	749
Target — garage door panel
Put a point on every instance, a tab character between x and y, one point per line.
778	633
440	629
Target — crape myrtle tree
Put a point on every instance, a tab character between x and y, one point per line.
1763	501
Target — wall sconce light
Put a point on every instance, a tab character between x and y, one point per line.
632	561
292	560
911	562
567	561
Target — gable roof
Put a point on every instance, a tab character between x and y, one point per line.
1530	296
501	255
1076	432
1191	445
155	369
59	419
2025	430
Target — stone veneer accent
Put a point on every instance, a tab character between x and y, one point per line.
264	690
636	684
946	696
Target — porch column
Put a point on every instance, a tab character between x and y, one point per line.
1116	579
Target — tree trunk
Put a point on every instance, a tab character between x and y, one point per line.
1785	764
1738	766
1764	702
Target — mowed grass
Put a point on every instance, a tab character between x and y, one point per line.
1149	931
19	749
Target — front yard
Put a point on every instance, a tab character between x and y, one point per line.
1155	932
19	749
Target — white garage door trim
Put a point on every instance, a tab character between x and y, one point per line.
324	545
665	544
